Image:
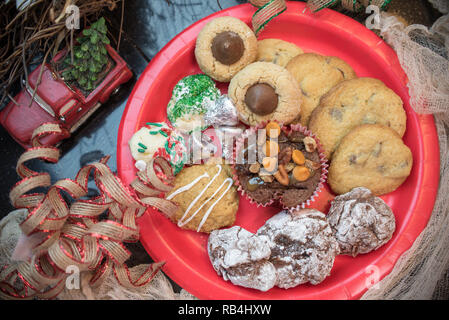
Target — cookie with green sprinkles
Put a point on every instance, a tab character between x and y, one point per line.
158	139
190	99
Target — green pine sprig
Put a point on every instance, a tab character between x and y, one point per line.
90	56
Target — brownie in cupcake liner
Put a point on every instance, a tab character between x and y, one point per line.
239	144
278	199
323	162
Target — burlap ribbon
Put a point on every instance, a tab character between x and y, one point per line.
351	5
267	10
75	235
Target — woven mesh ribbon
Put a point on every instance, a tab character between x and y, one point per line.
75	235
266	12
351	5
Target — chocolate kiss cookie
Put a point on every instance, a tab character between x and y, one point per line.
261	99
227	47
224	46
264	91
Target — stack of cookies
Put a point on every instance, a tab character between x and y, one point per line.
360	123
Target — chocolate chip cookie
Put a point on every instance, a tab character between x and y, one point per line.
263	91
224	46
371	156
277	51
354	102
316	75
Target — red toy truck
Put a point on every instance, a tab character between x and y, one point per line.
56	102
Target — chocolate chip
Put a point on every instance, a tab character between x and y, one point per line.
276	58
336	114
377	150
302	89
366	120
352	159
371	98
404	164
261	99
342	73
227	47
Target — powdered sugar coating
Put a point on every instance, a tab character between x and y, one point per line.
302	246
242	257
360	221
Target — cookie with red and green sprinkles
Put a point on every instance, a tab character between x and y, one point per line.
158	139
190	99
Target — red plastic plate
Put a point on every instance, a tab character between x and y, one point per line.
326	32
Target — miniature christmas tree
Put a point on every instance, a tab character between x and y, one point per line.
89	57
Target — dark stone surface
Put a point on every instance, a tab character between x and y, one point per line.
148	26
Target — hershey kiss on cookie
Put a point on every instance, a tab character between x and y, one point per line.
261	98
227	47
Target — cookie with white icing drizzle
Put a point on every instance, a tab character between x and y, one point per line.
206	196
242	258
360	221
